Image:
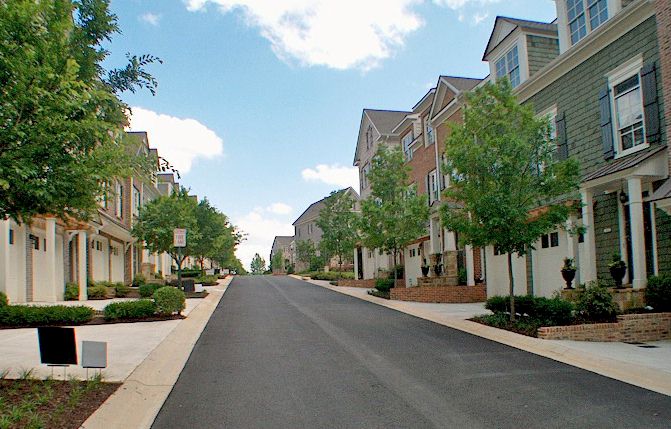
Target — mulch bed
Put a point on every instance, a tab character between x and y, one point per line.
52	404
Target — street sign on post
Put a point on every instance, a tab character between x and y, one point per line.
179	237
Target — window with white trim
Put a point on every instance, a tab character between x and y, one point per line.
628	113
430	134
369	137
434	192
364	176
509	66
136	201
443	168
407	142
119	200
585	16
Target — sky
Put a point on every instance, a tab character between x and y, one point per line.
259	101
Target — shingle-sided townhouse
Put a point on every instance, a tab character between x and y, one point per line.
38	258
284	244
595	72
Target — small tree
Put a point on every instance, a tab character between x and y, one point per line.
277	262
510	187
338	223
392	216
157	220
305	252
258	265
216	236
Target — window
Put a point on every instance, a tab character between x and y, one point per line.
369	137
136	201
119	199
430	135
364	176
35	240
407	142
443	168
497	251
509	66
628	104
597	14
44	241
432	185
11	236
550	240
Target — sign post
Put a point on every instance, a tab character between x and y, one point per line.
179	241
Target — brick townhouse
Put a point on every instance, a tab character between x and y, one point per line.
37	260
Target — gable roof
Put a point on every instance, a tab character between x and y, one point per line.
383	121
282	240
504	26
313	209
456	85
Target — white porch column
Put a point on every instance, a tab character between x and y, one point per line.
572	248
81	265
50	293
588	259
637	232
4	259
356	264
470	267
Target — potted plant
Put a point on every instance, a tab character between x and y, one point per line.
568	272
618	269
425	268
437	267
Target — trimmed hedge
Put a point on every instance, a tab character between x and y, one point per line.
71	292
97	292
384	285
24	315
169	300
121	290
549	311
658	293
207	280
139	280
130	310
147	290
596	303
329	275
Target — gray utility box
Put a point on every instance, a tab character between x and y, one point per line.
189	285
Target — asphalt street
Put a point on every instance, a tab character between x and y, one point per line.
282	353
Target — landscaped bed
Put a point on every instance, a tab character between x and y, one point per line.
50	404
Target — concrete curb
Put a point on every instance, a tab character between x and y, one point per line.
638	375
139	399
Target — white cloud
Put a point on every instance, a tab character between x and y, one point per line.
340	34
479	17
180	141
333	175
151	18
279	208
261	231
458	4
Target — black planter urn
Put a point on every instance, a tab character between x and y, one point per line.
568	274
438	269
617	272
425	271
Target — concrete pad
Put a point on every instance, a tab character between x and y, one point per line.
141	396
642	368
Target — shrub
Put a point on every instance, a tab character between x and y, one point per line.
71	292
329	275
190	273
121	290
147	290
139	280
97	292
130	310
526	326
207	280
23	315
658	293
384	285
548	312
169	300
596	303
3	300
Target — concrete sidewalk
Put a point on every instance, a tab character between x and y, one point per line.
137	402
649	368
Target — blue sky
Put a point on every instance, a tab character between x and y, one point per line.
259	101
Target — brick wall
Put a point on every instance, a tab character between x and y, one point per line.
441	294
629	328
368	284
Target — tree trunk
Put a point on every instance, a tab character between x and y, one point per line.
395	270
202	267
511	281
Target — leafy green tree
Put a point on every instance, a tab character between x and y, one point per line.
392	216
338	223
258	264
216	237
158	219
305	252
277	262
505	175
62	132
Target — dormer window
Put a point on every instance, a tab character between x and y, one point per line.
580	12
509	66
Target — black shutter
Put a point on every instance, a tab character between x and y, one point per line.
650	104
562	140
606	124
